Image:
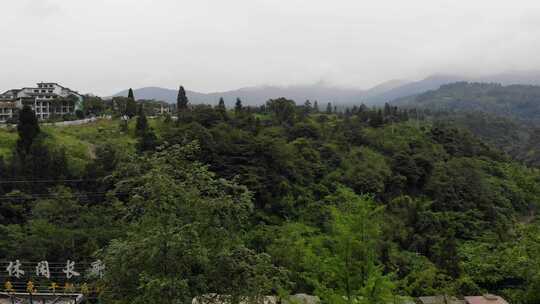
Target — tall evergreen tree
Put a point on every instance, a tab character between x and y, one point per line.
181	100
222	109
329	108
306	109
182	104
221	104
307	105
130	94
28	129
147	137
387	109
316	107
238	106
142	123
131	105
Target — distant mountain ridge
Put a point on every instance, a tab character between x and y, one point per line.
505	116
519	102
384	92
436	81
256	95
412	88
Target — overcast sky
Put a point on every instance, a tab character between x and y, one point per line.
103	46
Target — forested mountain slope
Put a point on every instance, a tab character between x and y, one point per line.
518	102
366	206
508	117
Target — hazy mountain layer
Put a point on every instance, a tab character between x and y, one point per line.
520	102
384	92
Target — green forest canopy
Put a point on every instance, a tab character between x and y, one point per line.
365	206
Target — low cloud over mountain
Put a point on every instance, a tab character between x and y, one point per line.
323	93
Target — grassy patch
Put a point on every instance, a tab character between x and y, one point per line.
94	133
8	139
79	142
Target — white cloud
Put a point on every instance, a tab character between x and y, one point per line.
40	8
106	45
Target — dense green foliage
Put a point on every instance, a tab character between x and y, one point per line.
507	117
364	206
516	101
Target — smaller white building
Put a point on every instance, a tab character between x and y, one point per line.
47	99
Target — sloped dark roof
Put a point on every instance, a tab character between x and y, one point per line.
485	299
442	299
59	298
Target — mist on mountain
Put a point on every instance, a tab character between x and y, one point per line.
387	91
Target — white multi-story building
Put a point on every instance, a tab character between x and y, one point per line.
48	99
